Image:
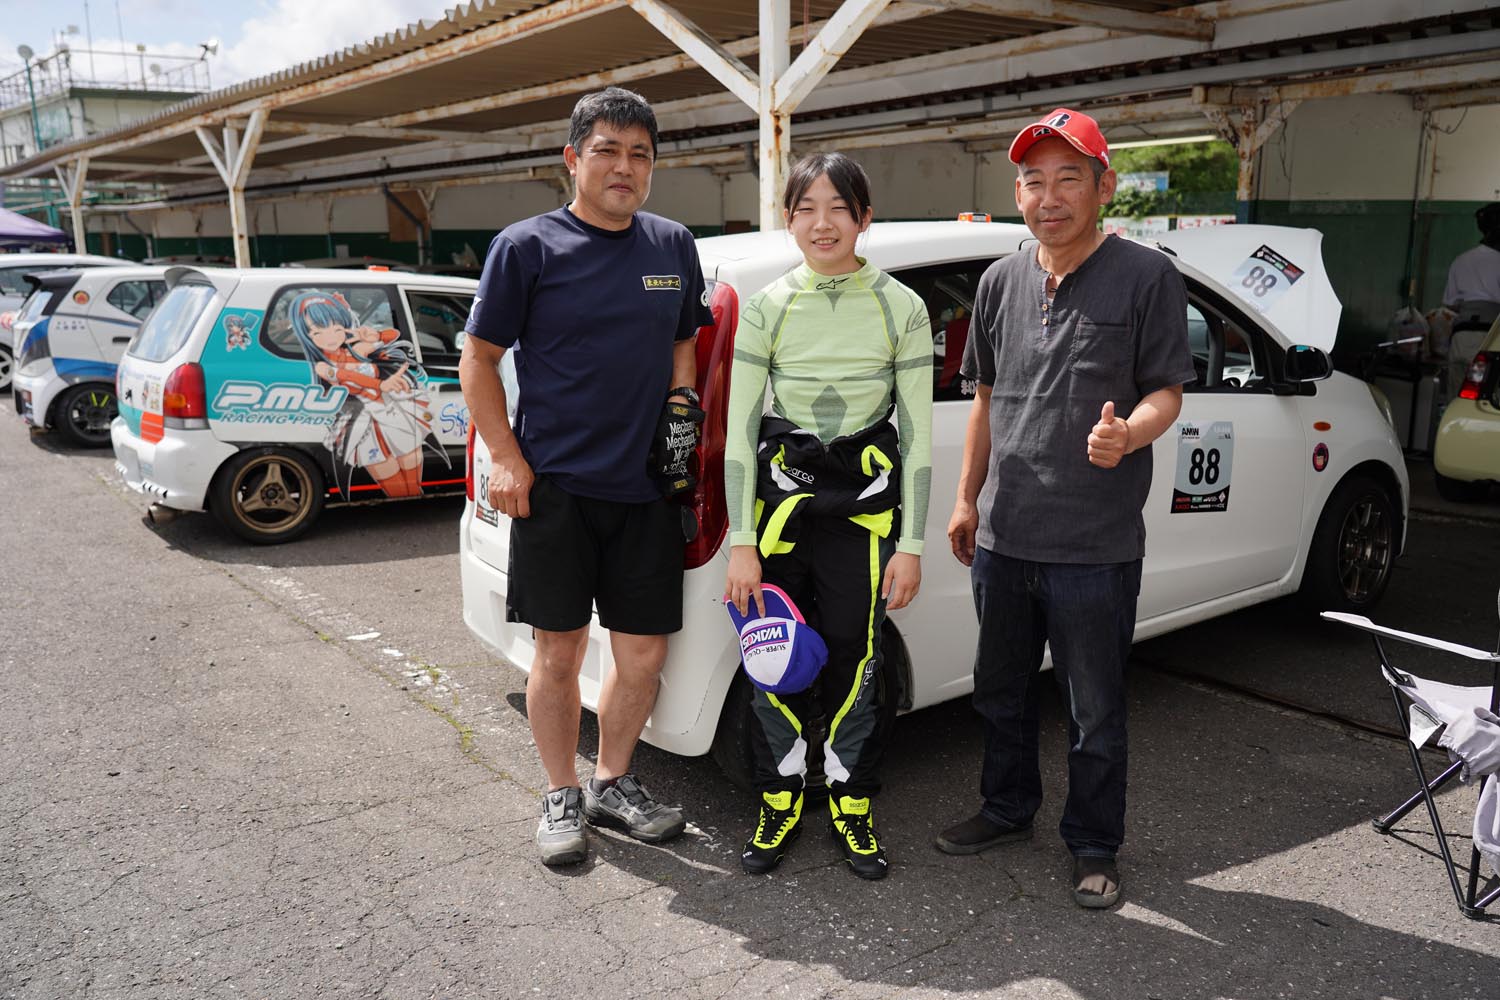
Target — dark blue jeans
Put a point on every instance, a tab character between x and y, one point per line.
1087	613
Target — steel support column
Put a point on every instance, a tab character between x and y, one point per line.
1247	128
71	179
773	158
232	159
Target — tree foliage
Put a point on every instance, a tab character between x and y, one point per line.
1203	179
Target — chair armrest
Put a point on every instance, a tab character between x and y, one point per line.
1361	622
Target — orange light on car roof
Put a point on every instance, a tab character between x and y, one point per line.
379	267
973	217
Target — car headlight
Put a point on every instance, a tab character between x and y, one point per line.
1382	404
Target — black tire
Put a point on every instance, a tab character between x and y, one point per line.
7	368
267	495
1459	490
1353	549
82	414
732	749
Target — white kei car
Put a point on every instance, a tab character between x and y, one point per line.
70	335
14	289
262	394
1319	490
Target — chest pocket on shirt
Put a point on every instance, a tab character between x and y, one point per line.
664	304
1102	351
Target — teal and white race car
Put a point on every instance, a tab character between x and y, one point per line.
261	394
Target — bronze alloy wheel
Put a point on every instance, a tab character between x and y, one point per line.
267	495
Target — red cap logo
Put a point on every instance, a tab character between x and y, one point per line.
1078	128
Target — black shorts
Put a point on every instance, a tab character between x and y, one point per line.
576	553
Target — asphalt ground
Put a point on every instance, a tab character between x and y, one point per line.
291	772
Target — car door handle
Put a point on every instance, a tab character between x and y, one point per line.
120	340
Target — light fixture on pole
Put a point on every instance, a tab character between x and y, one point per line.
26	53
210	47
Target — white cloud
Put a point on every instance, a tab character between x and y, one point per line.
294	31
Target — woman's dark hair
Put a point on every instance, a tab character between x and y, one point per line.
619	107
847	177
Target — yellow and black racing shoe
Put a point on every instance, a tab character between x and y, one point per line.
854	829
777	828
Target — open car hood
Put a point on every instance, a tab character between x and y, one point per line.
1276	270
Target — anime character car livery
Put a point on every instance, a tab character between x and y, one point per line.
262	394
1279	475
70	335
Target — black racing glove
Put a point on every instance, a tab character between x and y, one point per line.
676	436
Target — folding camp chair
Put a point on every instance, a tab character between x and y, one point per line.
1424	708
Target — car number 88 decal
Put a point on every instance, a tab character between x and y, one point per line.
1264	277
1205	459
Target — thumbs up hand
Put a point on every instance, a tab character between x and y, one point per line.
1110	438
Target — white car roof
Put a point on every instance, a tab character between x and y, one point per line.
276	277
9	260
1308	312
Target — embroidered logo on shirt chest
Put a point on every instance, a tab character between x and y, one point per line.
662	282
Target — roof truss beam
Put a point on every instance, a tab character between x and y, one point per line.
1089	14
1470	97
328	130
819	56
541	19
896	13
723	65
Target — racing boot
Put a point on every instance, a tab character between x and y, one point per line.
778	827
854	829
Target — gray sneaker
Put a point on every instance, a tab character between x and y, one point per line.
560	836
627	806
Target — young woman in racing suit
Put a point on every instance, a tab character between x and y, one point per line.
827	496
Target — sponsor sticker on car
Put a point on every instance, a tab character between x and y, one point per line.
1205	458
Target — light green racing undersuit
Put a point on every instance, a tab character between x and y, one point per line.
838	351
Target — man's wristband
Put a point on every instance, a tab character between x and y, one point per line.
687	392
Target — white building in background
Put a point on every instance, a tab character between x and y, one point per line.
71	93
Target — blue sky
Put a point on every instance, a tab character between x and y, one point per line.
256	36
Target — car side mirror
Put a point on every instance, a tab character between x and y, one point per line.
1307	364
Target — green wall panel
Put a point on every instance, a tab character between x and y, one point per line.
1373	247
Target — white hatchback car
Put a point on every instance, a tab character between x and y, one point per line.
261	394
70	336
14	289
1319	489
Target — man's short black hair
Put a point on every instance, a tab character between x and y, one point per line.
619	107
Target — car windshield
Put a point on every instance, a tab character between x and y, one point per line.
169	325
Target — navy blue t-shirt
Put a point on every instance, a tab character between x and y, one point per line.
594	315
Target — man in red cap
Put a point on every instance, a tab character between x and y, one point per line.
1079	351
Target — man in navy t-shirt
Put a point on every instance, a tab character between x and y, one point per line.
601	303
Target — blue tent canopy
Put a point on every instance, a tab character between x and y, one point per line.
16	228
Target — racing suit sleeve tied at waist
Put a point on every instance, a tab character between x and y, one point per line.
857	477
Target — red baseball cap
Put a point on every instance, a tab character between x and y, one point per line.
1074	126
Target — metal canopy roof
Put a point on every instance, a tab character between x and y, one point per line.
484	93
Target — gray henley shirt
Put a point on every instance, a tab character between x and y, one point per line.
1116	329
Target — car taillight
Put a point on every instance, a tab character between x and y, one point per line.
184	402
715	353
469	464
1474	378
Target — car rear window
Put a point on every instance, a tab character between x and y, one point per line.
35	305
168	327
